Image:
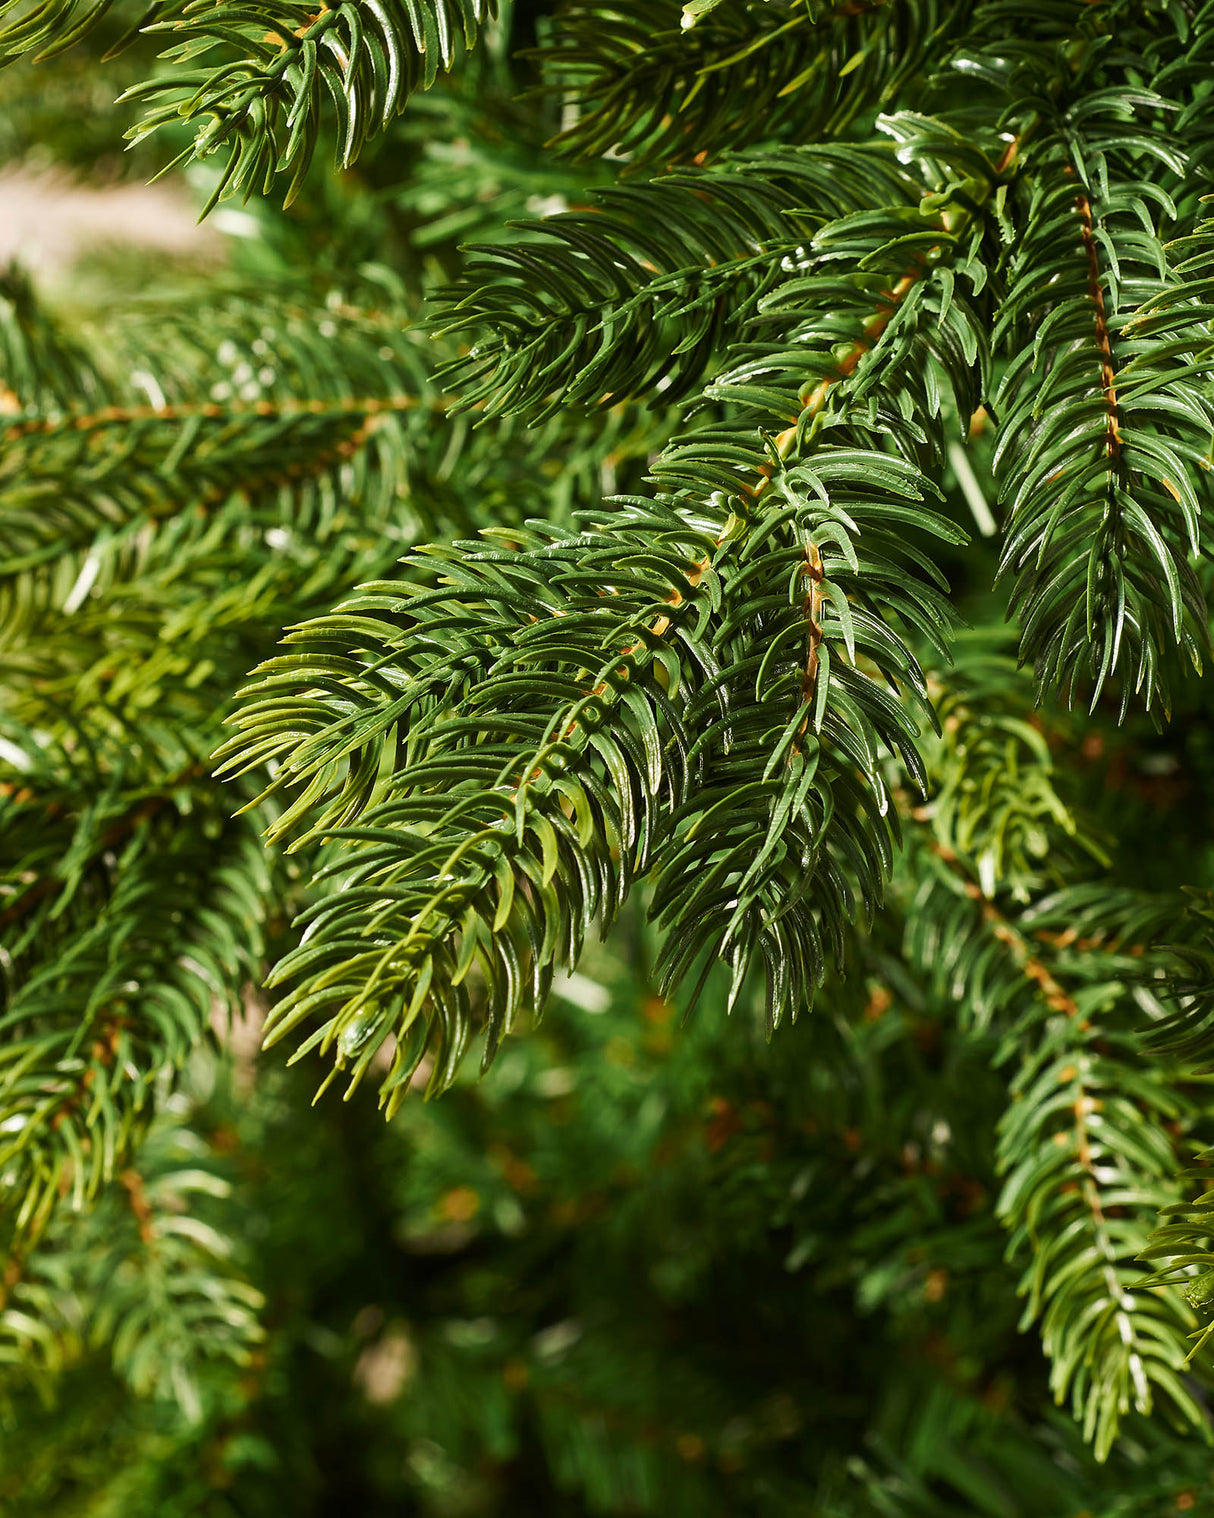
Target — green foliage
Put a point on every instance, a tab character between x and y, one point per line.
1113	470
702	693
263	96
593	583
169	487
146	926
265	106
600	307
145	1275
1086	1145
659	82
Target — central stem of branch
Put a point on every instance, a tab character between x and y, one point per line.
1112	438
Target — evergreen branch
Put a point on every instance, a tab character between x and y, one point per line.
116	862
262	99
151	927
173	1300
1084	1145
1006	825
64	498
521	749
643	295
669	92
513	825
47	28
144	1273
131	416
707	681
1103	430
92	497
1085	1151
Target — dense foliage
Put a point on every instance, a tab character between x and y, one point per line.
561	556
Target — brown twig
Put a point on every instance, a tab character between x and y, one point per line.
110	416
1112	437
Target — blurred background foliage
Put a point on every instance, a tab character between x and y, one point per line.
638	1267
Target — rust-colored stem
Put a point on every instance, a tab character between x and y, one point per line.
1108	384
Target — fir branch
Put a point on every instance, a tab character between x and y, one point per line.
673	92
642	296
1085	1145
150	927
143	1273
700	612
1100	455
47	28
262	99
710	681
260	91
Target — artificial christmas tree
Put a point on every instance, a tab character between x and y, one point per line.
617	439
